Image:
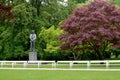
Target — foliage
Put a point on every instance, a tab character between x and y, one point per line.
80	1
28	15
5	13
116	2
52	43
50	36
86	2
19	17
24	16
95	25
116	52
52	12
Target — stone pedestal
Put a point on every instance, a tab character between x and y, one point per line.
32	56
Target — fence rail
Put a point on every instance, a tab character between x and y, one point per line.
107	64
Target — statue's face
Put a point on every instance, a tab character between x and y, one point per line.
32	31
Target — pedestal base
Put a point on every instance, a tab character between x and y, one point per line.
32	56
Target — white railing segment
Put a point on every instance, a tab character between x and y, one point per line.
54	64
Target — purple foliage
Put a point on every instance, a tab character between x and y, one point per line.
96	22
5	12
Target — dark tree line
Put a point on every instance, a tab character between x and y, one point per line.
19	17
81	41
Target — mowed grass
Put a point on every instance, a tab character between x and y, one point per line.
58	75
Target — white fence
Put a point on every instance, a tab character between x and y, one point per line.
107	64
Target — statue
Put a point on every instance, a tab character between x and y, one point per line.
32	53
32	41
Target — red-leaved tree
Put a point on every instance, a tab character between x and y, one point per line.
96	25
5	13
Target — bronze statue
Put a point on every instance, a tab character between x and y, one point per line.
32	40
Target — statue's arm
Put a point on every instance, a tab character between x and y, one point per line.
32	37
35	37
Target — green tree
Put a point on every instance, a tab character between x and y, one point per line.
24	16
6	17
51	12
50	37
116	2
25	21
34	14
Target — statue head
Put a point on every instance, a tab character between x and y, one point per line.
32	36
33	31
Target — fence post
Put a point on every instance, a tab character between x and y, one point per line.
71	64
12	64
107	64
1	64
38	64
88	64
54	64
25	64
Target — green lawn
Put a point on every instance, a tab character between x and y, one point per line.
58	75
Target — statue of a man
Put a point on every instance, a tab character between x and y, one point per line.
32	41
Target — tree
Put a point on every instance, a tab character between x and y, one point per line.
95	25
25	21
24	16
116	52
5	13
80	1
6	17
50	36
116	2
37	4
51	12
